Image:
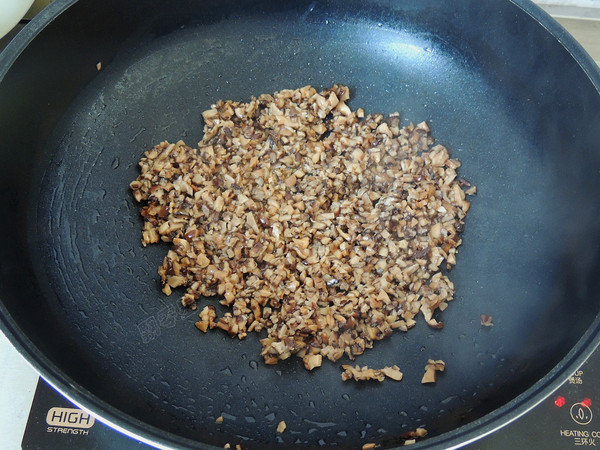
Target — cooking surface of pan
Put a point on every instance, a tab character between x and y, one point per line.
82	296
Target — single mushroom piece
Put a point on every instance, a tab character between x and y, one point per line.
486	320
281	426
431	368
312	361
393	373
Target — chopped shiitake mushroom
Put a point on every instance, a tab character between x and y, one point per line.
311	361
430	370
412	436
365	373
486	320
207	318
361	373
325	228
418	433
471	191
393	373
281	426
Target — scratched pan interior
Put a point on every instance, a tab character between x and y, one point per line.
81	296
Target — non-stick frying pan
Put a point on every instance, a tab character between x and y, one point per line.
88	86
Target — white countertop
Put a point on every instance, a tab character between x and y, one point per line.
17	386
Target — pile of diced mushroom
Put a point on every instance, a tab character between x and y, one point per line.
324	227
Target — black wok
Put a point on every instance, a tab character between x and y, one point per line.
505	88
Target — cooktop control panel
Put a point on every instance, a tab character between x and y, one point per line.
569	418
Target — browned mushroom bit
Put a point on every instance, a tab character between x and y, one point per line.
324	227
430	370
486	320
412	436
365	373
281	426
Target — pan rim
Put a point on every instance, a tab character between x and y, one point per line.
29	32
151	435
564	38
